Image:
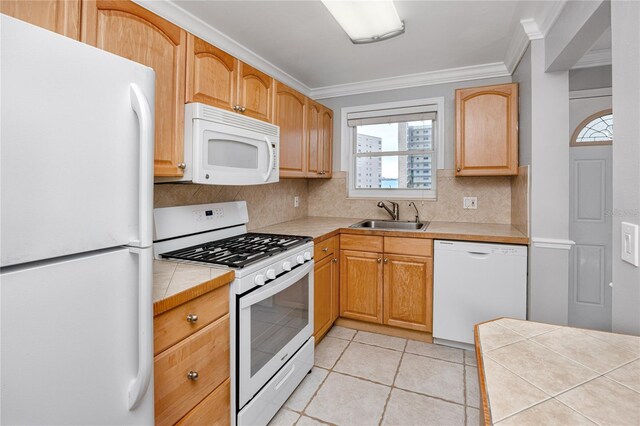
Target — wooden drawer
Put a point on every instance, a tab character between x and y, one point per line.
214	410
172	326
205	352
324	249
408	246
360	243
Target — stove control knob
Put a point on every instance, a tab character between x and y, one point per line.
307	255
300	259
259	279
286	266
271	274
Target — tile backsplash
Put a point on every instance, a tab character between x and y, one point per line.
268	204
501	200
329	198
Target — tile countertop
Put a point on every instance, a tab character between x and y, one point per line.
321	228
532	373
176	283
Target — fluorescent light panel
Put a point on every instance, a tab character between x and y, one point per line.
366	21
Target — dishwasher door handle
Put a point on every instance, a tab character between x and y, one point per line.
478	254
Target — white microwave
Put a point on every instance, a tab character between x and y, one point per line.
227	148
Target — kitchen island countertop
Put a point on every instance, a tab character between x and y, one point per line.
534	374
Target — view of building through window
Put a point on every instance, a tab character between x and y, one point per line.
394	155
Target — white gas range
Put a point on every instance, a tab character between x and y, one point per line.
270	300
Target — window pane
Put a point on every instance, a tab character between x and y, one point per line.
396	171
403	136
597	130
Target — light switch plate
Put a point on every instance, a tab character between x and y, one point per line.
470	202
629	241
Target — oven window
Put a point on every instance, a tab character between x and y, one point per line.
276	320
231	153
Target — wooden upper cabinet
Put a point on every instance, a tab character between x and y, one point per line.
487	130
128	30
255	93
326	122
314	138
290	116
212	75
60	16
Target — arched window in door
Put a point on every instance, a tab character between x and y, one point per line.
596	129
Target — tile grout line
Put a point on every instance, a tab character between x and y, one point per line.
395	376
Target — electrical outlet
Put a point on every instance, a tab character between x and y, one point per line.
470	202
296	201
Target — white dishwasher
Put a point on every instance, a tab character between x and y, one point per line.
473	283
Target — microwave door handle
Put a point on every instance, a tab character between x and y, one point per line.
271	160
268	291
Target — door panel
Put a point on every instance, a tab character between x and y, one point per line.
256	93
590	207
323	297
361	286
61	16
327	142
69	342
291	117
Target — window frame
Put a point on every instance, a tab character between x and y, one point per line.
349	139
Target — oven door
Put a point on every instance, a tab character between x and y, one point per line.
274	322
225	155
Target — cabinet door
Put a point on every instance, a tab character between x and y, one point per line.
487	130
255	93
212	75
60	16
314	138
408	289
326	122
361	286
128	30
323	297
290	116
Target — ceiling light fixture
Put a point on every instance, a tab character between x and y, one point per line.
366	21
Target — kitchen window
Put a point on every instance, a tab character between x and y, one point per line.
394	149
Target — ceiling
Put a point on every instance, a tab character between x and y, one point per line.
302	38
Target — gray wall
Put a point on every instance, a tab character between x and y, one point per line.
590	78
625	17
445	90
522	76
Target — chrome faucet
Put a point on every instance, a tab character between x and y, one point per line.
395	213
417	214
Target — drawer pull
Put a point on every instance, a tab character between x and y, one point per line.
192	318
192	375
326	249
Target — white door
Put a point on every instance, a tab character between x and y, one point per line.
70	171
590	212
69	342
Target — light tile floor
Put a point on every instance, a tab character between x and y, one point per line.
369	379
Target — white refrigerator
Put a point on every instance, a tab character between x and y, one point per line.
76	169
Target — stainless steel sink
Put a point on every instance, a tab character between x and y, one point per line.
391	225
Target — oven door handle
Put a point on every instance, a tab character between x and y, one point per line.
276	286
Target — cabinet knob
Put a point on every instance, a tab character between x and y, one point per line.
335	260
192	318
181	166
386	261
236	107
379	260
458	169
243	109
326	249
192	375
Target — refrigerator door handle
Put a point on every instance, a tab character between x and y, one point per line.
139	385
141	106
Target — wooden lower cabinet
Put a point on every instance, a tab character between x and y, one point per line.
361	285
408	290
393	286
326	290
191	366
213	410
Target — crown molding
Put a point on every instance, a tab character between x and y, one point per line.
594	58
170	11
530	29
450	75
